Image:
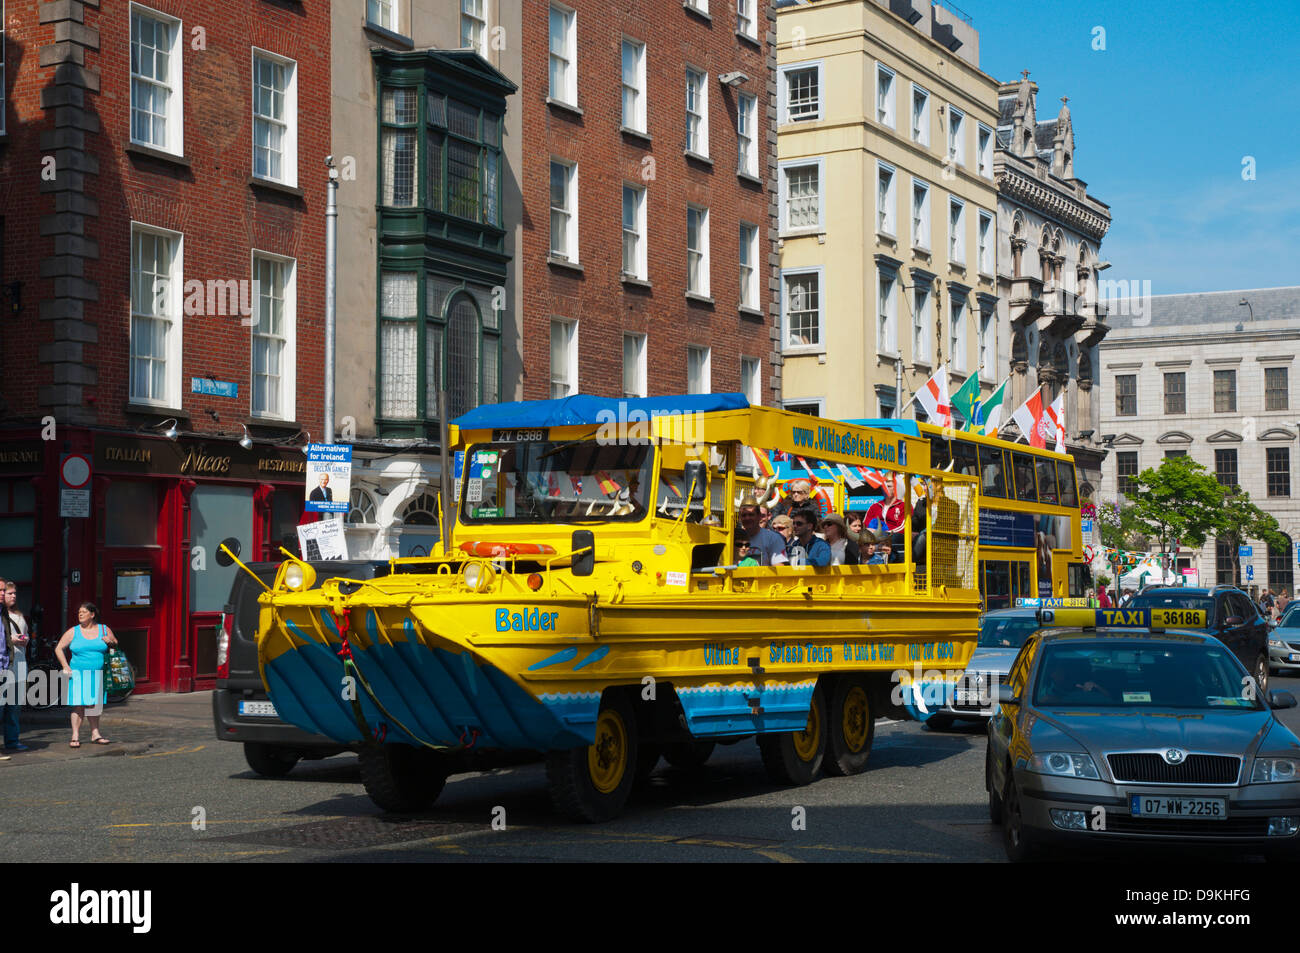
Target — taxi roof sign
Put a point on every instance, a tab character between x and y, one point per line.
1123	618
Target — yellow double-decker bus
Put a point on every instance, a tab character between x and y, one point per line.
1030	543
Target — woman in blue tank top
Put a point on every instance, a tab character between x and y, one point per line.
88	642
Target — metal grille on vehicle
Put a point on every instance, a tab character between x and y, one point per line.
1151	768
1175	827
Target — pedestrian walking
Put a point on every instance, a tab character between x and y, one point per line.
88	641
15	637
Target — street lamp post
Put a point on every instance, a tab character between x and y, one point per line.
331	285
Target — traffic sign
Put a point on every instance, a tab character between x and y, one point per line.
1250	573
1245	552
74	486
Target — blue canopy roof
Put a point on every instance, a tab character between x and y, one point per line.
585	409
896	424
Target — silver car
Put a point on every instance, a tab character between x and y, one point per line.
1133	735
975	694
1284	640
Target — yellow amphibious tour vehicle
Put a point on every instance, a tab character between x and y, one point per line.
587	605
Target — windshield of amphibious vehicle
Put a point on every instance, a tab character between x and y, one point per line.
572	481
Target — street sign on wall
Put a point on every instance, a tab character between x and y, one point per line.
74	485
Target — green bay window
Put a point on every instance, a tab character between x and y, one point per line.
441	236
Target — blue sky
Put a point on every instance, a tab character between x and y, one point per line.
1163	118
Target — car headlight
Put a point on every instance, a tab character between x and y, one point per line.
299	576
1276	644
1066	764
478	576
1274	769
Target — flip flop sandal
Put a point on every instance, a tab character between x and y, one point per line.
100	741
74	744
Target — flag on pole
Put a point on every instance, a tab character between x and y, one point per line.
1028	417
1056	416
850	477
804	463
991	408
933	398
608	485
764	463
553	482
967	401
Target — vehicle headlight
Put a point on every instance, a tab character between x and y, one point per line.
1276	644
299	576
1066	764
1274	769
478	576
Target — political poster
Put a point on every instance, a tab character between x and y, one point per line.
329	477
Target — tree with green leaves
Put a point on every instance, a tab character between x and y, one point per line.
1242	520
1180	501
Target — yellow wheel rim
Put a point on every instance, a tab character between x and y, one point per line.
854	724
808	741
607	757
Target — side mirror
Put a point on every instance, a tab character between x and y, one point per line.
1281	700
696	477
584	563
223	557
1007	695
1231	621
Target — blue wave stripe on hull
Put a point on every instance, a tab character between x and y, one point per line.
718	710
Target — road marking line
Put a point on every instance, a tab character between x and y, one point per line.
779	857
184	749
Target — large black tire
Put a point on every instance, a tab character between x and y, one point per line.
851	728
1017	839
995	798
688	755
270	761
592	784
1261	676
795	757
401	778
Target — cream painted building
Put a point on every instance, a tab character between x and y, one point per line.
888	205
426	132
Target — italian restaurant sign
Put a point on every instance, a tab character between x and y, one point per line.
114	454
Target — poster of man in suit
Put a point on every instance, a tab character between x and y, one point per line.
329	478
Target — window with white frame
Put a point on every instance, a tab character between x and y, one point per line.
920	214
801	196
399	329
383	14
697	250
746	24
886	314
473	26
564	55
698	370
564	210
751	380
275	118
398	146
956	230
157	112
985	235
920	116
634	375
564	357
886	200
746	130
800	93
921	323
956	135
701	5
984	151
957	333
156	285
697	112
634	85
273	338
801	305
885	96
988	342
748	265
634	232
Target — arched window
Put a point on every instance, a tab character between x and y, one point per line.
419	535
462	355
421	511
1281	568
361	506
463	352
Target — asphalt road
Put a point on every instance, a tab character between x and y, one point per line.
191	798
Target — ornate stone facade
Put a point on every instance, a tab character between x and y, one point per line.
1049	238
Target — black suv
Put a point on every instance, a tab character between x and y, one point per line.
240	707
1230	616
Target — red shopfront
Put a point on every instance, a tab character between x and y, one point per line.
159	509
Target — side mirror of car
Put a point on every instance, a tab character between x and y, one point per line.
222	556
1232	621
1281	700
1007	695
696	477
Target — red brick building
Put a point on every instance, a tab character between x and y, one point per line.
163	259
648	146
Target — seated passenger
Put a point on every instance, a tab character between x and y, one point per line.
762	543
844	552
806	548
880	554
797	494
854	522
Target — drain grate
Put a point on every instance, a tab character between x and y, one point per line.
348	832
